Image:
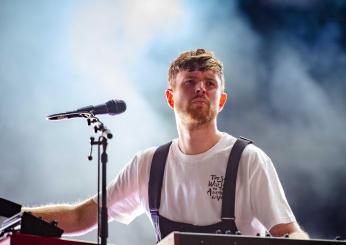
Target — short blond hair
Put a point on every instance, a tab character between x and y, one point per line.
199	60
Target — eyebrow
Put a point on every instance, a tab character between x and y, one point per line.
193	76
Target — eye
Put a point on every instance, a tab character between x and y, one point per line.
210	83
189	82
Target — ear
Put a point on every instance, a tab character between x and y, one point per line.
223	100
169	97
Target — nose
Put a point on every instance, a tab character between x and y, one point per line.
200	88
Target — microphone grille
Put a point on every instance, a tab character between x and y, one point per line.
115	107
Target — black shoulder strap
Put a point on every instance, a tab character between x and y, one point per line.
229	185
158	167
156	176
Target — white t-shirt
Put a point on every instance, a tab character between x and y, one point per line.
192	188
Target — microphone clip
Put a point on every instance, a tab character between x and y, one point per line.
99	127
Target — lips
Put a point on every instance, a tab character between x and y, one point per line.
200	100
200	103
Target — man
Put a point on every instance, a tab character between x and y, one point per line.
188	193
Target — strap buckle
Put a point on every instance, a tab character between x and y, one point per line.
227	218
243	138
154	211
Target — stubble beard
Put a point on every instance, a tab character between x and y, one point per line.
199	116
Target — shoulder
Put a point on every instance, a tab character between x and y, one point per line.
145	155
142	160
254	159
253	153
257	165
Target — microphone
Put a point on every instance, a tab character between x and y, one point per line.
111	107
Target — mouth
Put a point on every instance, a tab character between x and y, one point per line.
200	104
199	100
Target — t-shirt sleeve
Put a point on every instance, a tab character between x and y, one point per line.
123	199
268	200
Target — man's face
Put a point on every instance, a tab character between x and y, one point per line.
197	96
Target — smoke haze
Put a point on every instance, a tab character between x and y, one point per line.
285	70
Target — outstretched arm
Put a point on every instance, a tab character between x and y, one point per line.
74	219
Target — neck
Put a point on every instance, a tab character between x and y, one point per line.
198	139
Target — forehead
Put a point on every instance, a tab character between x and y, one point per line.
200	75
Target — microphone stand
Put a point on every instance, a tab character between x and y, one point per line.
111	107
102	141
